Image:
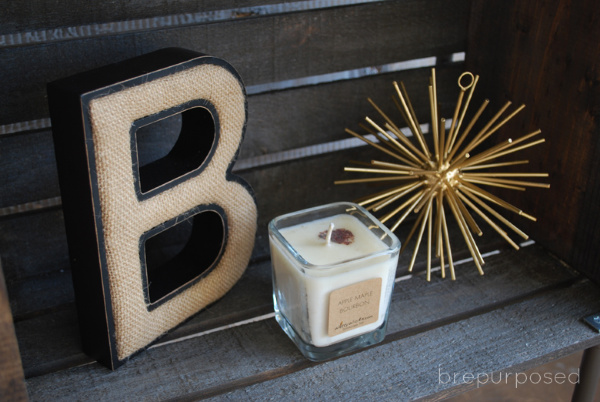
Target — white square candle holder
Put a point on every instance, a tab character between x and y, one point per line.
333	275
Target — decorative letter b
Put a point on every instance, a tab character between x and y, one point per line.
118	211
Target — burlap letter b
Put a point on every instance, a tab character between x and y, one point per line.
117	210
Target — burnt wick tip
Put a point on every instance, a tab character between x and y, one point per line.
339	236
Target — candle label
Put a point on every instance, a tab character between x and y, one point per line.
354	306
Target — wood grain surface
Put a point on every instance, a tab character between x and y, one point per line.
267	49
277	121
461	325
545	57
309	67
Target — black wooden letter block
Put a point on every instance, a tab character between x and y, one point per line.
158	227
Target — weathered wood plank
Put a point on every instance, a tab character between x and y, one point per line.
35	262
28	168
33	244
260	351
543	54
40	294
47	324
37	15
59	341
12	382
314	115
263	50
26	255
586	253
277	121
508	340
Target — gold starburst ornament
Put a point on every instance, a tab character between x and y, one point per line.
447	179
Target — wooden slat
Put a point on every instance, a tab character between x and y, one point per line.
503	342
543	54
47	324
33	244
29	168
39	294
260	351
585	254
277	121
313	115
34	264
37	15
263	50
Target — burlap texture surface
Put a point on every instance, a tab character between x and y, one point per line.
125	218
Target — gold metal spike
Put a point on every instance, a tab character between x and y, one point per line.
447	179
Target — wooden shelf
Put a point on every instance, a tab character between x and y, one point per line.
526	310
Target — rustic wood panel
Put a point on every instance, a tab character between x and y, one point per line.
28	168
312	115
39	15
41	294
426	310
277	121
545	54
585	254
35	265
263	50
33	244
47	326
37	254
12	383
486	344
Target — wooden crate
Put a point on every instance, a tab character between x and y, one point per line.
308	68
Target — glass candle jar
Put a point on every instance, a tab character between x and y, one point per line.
333	274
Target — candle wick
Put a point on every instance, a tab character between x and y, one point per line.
329	232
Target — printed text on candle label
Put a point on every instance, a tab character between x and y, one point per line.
354	306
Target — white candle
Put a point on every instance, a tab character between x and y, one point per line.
332	292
